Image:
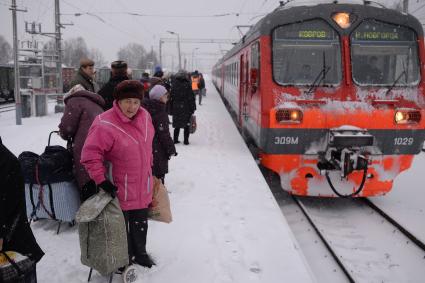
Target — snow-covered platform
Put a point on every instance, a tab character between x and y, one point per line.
227	226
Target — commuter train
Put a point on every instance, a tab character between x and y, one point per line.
332	95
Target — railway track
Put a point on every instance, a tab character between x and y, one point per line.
367	244
7	107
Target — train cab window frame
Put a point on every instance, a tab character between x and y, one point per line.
384	55
307	53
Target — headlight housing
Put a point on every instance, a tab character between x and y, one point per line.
289	116
403	117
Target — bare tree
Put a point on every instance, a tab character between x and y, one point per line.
97	56
73	50
133	54
150	59
5	51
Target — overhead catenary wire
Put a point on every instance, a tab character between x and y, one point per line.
100	19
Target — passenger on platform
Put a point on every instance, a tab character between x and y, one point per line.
81	108
15	231
196	85
163	146
120	142
145	80
182	103
85	76
130	73
158	72
202	88
118	74
158	79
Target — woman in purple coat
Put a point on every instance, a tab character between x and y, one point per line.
81	107
163	145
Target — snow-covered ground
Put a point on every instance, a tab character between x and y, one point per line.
406	201
227	226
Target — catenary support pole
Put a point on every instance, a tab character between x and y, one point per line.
17	92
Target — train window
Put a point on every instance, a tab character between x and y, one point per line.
255	55
384	55
306	53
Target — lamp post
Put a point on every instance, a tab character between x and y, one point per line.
193	55
178	47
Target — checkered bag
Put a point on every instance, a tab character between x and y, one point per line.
16	268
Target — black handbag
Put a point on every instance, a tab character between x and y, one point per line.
19	269
52	166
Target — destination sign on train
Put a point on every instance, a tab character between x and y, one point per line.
311	30
376	35
377	31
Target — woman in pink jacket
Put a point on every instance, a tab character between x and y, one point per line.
117	154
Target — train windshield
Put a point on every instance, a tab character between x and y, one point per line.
306	53
384	55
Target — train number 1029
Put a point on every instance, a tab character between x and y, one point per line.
286	140
403	141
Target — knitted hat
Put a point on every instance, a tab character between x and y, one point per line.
157	92
129	89
157	69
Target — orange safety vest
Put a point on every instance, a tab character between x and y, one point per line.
195	83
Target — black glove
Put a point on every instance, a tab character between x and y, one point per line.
173	154
108	187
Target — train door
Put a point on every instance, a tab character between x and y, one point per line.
243	89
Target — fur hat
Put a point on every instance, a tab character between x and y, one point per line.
119	64
157	92
84	62
129	89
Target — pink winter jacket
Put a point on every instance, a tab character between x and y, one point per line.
122	146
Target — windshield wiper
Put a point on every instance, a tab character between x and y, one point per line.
321	75
398	78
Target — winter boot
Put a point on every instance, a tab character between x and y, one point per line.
144	260
186	135
176	135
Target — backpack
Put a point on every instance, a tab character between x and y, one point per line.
103	236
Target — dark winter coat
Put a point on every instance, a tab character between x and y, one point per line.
84	80
14	227
108	89
81	108
182	100
201	82
157	80
163	145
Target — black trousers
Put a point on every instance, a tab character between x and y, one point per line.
136	222
186	134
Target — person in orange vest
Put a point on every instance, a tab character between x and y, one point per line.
195	85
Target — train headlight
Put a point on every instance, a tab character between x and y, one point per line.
289	116
407	117
342	19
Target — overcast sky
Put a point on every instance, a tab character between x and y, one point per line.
109	26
